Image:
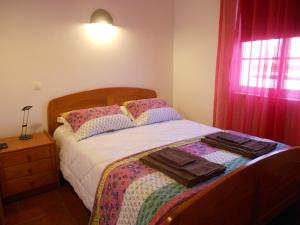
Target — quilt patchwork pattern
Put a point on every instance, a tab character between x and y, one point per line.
132	193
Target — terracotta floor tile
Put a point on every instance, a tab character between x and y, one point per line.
79	212
61	217
50	201
40	221
56	207
29	210
63	207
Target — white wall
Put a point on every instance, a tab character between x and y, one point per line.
45	40
195	48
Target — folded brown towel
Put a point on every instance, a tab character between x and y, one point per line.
203	167
173	155
195	165
257	145
232	138
191	171
180	176
251	148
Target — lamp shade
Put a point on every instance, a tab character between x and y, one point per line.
101	16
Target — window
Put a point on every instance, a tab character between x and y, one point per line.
271	64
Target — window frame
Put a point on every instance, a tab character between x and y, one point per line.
280	80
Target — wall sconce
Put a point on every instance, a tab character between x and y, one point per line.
101	16
101	27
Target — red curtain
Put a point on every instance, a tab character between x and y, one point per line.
257	89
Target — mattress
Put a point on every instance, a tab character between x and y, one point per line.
82	163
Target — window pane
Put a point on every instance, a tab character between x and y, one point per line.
295	47
293	68
256	49
261	49
245	72
292	81
272	48
259	73
246	49
261	64
292	84
292	74
253	49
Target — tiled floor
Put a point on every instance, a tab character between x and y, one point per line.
57	207
63	207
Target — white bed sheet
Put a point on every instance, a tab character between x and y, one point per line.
82	163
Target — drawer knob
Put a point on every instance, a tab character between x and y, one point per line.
29	170
28	157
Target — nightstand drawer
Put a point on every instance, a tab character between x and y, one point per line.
16	186
27	155
27	169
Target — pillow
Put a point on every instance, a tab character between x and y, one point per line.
89	122
63	121
124	110
149	111
157	115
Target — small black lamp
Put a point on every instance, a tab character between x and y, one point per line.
24	135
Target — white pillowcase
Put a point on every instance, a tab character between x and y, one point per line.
65	123
125	111
157	115
99	125
103	124
61	120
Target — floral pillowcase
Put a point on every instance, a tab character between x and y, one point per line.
92	121
149	111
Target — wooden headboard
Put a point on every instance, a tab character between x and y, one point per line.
93	98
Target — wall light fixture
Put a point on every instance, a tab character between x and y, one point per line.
101	16
101	27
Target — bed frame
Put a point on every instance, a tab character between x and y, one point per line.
252	194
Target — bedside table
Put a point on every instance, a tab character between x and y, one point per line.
27	165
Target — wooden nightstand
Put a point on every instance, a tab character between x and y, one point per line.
27	165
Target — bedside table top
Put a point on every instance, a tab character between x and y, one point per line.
14	144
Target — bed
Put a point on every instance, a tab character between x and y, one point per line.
252	194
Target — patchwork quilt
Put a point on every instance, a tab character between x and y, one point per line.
132	193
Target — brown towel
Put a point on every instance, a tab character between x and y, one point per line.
217	137
180	176
231	138
196	169
252	148
196	166
179	159
257	145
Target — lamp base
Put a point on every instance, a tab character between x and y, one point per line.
25	137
